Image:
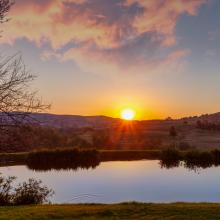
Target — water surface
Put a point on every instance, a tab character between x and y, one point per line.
113	182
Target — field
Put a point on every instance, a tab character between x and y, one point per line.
175	211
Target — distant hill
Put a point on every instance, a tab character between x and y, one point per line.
112	133
74	121
211	117
77	121
215	118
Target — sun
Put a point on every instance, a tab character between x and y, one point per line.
128	114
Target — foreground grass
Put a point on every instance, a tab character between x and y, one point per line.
175	211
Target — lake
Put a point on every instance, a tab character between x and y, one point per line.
113	182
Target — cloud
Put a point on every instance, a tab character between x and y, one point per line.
103	62
117	33
160	16
60	22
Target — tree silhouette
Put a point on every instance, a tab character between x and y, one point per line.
5	6
17	100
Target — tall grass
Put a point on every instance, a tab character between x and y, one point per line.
170	158
63	159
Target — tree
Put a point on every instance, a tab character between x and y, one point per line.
17	101
5	6
32	193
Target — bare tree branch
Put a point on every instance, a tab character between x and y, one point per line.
17	101
5	6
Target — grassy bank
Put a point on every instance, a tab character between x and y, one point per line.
176	211
13	158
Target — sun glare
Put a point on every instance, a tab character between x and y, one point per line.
128	114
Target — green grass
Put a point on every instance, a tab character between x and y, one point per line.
136	211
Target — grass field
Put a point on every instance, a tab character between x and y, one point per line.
136	211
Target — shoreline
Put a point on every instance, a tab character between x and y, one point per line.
72	158
7	159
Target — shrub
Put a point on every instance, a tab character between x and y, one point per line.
31	192
26	193
6	197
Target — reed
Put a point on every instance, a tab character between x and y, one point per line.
63	159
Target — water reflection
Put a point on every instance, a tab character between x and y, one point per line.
113	182
192	160
62	164
92	163
193	165
63	159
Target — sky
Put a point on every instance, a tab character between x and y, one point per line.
96	57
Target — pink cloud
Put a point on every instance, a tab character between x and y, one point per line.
63	21
100	29
101	62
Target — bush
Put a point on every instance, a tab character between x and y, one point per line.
31	192
25	193
6	197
